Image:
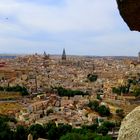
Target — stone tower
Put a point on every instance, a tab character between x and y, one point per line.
45	56
64	55
46	59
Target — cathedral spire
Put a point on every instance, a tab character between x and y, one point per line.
64	55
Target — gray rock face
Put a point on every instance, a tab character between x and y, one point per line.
130	127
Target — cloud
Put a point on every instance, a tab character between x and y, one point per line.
79	15
83	15
81	26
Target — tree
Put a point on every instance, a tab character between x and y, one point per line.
116	90
103	138
63	129
1	89
37	131
51	131
109	125
120	113
92	77
136	91
104	111
92	127
22	90
121	89
90	136
94	105
68	92
103	130
5	132
49	125
72	136
53	134
21	133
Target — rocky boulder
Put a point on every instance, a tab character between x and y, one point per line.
130	127
130	12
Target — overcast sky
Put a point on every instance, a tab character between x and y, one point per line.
82	27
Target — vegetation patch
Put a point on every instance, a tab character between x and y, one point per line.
22	90
68	92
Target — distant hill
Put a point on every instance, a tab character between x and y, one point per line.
8	56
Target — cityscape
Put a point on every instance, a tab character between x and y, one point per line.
76	91
69	70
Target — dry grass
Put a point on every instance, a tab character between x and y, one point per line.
5	108
5	95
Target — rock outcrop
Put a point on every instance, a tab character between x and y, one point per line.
130	12
130	127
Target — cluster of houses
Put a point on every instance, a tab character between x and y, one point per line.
39	73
